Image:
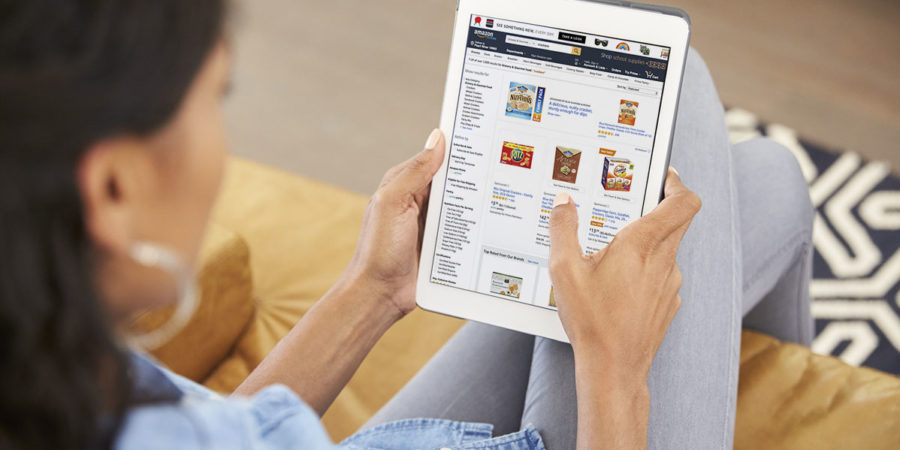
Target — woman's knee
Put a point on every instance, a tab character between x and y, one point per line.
698	81
695	64
772	175
701	117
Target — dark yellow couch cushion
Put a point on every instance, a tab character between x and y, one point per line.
224	309
792	398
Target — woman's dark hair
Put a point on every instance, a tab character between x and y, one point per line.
73	72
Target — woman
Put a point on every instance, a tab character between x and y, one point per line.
112	153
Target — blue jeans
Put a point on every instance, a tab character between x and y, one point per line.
747	255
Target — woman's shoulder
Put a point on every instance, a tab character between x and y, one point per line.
276	417
273	418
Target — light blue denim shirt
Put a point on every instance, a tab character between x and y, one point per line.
276	418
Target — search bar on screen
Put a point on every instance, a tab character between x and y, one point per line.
561	48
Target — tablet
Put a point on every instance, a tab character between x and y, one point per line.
544	97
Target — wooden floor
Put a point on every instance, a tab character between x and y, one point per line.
341	90
827	68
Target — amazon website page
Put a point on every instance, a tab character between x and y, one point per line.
542	111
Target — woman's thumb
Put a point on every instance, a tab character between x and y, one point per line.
418	171
564	228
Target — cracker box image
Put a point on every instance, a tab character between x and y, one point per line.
507	285
538	104
517	155
627	112
617	174
520	101
565	164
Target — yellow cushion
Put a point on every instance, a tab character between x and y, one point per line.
302	234
790	398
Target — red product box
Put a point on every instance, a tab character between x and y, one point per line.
517	155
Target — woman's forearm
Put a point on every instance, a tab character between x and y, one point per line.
319	355
613	409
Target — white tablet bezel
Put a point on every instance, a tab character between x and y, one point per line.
627	23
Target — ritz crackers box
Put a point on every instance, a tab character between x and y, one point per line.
517	155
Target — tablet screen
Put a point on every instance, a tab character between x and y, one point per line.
542	111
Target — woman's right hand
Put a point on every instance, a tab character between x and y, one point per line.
616	304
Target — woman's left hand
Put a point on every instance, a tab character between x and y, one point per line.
320	354
387	255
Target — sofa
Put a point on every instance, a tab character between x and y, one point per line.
277	242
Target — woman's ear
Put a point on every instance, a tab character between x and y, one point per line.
105	196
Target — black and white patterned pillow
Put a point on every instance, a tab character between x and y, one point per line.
856	234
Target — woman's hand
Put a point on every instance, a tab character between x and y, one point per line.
616	306
320	354
618	303
387	255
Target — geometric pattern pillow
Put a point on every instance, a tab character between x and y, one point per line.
856	234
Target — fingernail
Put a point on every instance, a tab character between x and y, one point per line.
675	170
432	140
561	199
